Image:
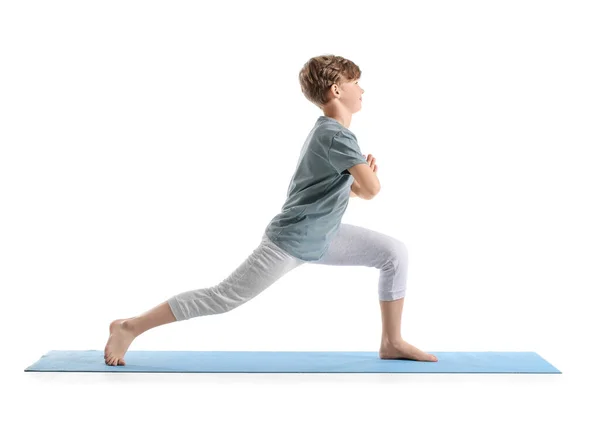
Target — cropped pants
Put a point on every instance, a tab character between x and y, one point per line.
351	246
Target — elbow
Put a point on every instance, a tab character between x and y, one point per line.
374	192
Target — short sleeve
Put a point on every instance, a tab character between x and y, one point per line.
344	152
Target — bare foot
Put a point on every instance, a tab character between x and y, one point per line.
403	350
118	342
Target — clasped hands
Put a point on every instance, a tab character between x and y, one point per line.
371	161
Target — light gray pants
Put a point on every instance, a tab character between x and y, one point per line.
351	246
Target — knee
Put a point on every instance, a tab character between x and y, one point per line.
399	251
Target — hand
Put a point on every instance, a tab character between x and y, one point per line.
371	161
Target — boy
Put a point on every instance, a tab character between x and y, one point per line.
331	168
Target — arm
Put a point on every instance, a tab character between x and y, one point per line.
369	185
355	191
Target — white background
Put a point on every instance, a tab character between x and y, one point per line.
146	145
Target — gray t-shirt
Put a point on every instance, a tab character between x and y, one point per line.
318	192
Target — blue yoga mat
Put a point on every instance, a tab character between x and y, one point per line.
292	362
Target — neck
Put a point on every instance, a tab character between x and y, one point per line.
343	118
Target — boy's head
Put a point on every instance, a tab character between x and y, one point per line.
329	78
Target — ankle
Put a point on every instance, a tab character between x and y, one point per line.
130	325
391	340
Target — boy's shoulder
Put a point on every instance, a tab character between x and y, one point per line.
330	128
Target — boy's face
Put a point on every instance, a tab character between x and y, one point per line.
351	94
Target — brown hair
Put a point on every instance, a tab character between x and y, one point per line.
321	72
